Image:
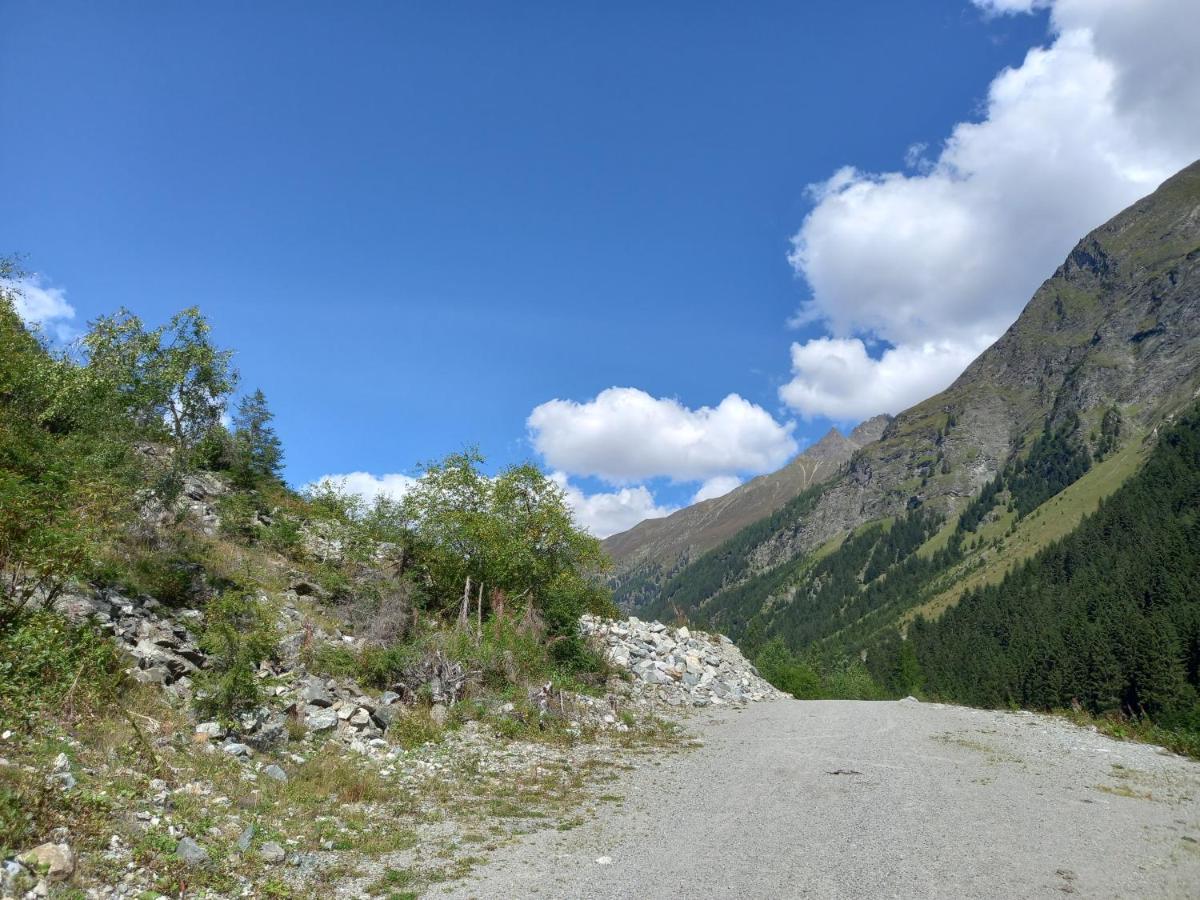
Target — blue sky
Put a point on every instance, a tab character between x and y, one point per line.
419	223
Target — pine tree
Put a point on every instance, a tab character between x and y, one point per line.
258	453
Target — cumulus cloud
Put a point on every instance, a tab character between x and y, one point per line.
839	379
717	486
625	435
369	486
608	513
933	263
41	305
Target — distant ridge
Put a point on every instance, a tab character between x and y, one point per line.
665	544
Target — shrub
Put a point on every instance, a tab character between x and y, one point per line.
333	661
778	666
238	636
283	535
853	682
50	667
239	516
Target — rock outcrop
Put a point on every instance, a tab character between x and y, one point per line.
160	640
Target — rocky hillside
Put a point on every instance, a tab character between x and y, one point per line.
656	548
1109	343
213	685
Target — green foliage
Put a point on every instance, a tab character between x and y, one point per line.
95	449
334	661
173	569
171	381
1107	618
512	534
257	451
48	666
283	535
509	654
804	680
238	512
65	470
779	666
238	635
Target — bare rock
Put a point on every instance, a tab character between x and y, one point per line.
54	862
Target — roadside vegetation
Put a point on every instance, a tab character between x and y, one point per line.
101	443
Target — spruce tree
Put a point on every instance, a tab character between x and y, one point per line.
258	453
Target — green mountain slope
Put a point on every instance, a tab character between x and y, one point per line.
1108	618
962	487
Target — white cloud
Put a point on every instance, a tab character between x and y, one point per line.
41	305
837	378
607	513
369	486
1010	7
717	486
625	435
936	261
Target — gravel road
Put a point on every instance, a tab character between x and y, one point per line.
844	799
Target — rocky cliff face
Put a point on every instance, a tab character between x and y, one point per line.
1117	324
661	546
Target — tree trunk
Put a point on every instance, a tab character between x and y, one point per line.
479	615
465	607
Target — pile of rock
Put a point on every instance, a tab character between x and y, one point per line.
332	706
166	650
677	667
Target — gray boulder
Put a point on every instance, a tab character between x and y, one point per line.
192	854
315	693
272	853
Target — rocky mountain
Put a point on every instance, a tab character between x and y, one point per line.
1109	343
663	546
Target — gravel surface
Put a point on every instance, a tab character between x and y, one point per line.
845	799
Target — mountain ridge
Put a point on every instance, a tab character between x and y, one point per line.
661	545
1114	333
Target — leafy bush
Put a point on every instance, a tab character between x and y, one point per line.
847	681
239	516
333	661
778	666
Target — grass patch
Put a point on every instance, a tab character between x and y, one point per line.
1005	545
1138	729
